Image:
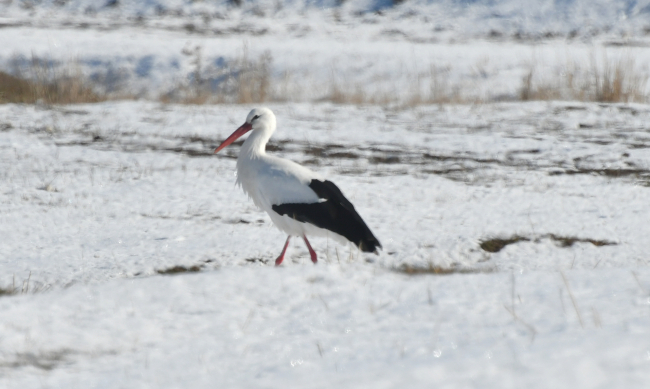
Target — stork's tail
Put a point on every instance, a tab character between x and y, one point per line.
369	244
334	213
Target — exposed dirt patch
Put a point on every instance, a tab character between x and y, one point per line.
494	245
389	159
180	269
45	360
257	260
439	270
244	221
568	241
181	217
7	291
328	151
569	108
382	160
615	173
192	146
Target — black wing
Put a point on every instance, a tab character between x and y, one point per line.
335	214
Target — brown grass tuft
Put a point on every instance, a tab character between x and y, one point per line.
15	90
40	82
611	81
253	79
27	286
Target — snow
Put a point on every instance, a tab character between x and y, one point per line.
327	326
96	199
135	261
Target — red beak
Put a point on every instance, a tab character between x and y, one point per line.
235	135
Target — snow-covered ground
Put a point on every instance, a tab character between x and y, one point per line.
130	259
98	200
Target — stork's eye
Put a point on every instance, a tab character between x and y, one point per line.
255	117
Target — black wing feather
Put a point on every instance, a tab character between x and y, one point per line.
336	214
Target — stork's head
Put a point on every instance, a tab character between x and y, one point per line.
259	119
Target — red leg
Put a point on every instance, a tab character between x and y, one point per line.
312	253
284	250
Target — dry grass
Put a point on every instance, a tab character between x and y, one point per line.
253	80
248	79
609	81
15	90
424	89
26	286
244	80
41	82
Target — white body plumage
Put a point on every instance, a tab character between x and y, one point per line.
269	180
299	201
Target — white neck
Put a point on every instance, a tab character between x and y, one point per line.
253	151
255	144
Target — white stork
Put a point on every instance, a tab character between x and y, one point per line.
299	201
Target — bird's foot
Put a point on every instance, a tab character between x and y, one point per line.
279	260
284	250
